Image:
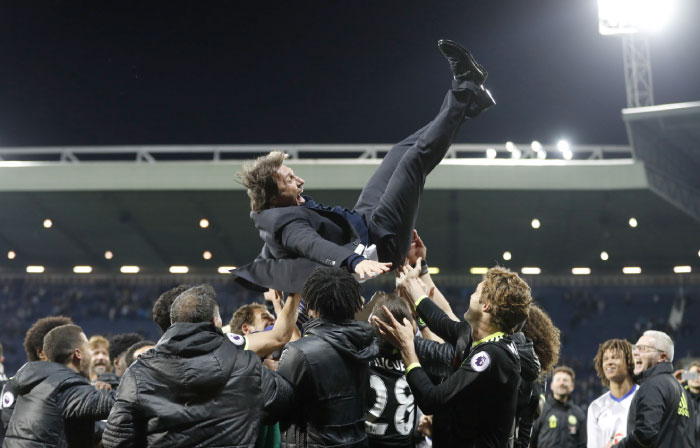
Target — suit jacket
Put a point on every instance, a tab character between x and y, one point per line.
297	240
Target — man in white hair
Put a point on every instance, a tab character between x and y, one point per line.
660	414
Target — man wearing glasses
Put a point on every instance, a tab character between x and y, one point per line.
660	414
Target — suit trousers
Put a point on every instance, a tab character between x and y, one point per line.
389	202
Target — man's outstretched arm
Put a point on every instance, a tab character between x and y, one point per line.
300	238
266	342
434	317
428	396
417	255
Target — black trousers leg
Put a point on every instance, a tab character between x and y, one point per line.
393	218
373	191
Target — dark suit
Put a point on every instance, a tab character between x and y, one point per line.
299	239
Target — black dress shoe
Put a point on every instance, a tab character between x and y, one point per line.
464	66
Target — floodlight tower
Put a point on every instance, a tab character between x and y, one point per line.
637	65
633	19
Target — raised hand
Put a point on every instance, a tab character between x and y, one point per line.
417	250
410	283
371	268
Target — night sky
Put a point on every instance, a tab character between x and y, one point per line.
316	71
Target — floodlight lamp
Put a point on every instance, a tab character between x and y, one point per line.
479	270
82	269
433	270
11	255
541	155
35	269
604	256
491	153
516	154
225	269
204	223
634	16
179	269
207	255
682	269
510	146
563	146
532	270
507	255
633	222
109	255
568	155
536	146
48	223
535	223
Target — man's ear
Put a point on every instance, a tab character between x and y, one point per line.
486	307
77	354
245	328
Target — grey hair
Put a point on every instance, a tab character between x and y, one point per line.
197	304
662	342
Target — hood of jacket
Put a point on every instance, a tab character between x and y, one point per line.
191	358
35	372
353	339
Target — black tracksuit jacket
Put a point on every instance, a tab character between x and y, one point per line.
55	407
198	387
444	359
561	425
329	370
661	414
7	405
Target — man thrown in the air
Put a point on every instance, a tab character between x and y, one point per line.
301	235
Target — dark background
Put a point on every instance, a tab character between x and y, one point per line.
91	73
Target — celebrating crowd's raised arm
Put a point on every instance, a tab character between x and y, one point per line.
264	343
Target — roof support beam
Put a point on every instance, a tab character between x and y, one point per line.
452	174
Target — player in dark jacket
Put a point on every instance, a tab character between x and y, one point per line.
476	404
391	419
198	387
562	424
544	337
56	404
329	366
34	348
661	414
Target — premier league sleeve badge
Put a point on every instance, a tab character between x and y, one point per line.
480	361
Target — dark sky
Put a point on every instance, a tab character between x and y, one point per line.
316	71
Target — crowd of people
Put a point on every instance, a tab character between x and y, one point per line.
318	366
323	368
